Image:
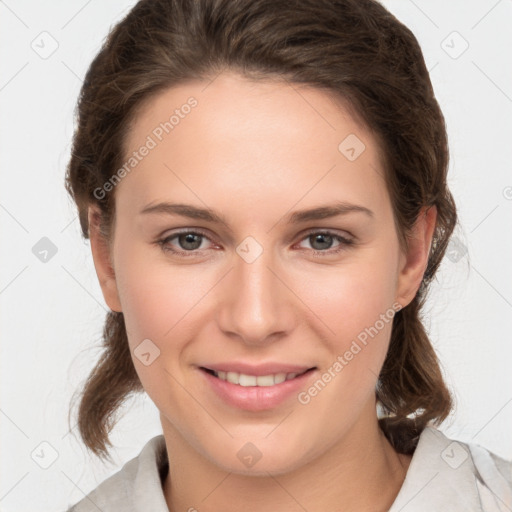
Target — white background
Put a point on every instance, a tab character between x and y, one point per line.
52	313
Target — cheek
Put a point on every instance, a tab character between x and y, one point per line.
159	302
157	297
355	305
349	298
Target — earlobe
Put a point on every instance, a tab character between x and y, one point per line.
102	261
414	263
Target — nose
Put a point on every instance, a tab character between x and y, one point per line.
257	303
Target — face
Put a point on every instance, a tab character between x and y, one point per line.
264	290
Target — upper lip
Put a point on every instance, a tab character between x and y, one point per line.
257	370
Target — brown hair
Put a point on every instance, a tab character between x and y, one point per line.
354	49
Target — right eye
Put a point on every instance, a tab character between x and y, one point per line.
190	242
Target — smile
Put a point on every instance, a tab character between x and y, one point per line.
246	380
256	392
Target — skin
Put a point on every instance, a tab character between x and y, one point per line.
256	152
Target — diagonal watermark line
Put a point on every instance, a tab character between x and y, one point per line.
287	492
492	81
76	14
503	407
216	487
14	424
424	14
430	70
418	492
279	424
101	510
377	171
12	280
5	495
68	224
69	431
14	76
484	16
14	218
300	199
301	300
210	82
371	371
198	402
491	286
484	218
14	14
85	289
79	77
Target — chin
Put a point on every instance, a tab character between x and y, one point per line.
258	457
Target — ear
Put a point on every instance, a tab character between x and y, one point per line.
414	263
102	261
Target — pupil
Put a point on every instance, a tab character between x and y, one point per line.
188	238
324	237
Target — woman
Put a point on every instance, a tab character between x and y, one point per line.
220	144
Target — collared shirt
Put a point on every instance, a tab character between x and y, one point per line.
443	475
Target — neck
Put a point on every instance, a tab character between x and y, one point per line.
362	472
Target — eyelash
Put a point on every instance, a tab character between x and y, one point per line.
345	243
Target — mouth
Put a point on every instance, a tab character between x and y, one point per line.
256	388
247	380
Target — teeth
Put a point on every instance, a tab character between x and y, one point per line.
252	380
279	377
233	377
247	380
265	380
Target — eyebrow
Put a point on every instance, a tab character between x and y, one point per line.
207	214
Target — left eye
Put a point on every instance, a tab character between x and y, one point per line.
327	238
191	241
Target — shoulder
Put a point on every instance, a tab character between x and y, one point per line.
493	477
136	486
447	474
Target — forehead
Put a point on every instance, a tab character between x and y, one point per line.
266	139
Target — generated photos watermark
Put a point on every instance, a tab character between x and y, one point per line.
304	397
158	133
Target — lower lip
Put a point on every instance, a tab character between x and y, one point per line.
256	398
